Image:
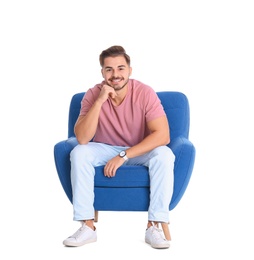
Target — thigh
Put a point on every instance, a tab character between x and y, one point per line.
158	153
96	153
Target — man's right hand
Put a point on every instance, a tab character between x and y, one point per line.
106	92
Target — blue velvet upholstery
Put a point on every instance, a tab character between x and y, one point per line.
129	189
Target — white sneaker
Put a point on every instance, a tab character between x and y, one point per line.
154	236
82	236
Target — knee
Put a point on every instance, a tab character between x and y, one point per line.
163	153
79	153
162	157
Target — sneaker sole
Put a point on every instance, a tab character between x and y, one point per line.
70	244
157	246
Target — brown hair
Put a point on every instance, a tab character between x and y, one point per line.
114	51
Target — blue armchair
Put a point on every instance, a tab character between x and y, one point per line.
129	189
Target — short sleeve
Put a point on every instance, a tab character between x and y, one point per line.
153	106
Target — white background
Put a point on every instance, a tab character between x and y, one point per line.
49	50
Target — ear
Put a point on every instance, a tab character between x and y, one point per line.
130	71
102	73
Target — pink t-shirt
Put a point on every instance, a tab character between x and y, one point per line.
124	125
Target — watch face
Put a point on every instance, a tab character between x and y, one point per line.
122	154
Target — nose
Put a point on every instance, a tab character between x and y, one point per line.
114	73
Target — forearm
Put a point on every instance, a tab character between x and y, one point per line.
86	126
148	144
152	141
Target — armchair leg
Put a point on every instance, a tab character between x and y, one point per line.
96	212
166	230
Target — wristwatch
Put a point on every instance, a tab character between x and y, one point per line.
122	154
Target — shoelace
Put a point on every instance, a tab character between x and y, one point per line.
78	232
157	233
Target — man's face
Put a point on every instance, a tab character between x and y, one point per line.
116	72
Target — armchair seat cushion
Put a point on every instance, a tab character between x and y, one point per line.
126	177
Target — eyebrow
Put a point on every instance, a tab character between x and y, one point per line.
120	66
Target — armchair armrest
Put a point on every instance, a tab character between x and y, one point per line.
62	160
185	153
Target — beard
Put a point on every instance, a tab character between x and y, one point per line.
119	87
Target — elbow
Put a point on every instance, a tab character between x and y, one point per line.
81	138
162	138
166	141
81	141
167	137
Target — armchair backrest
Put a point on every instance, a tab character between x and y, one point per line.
175	104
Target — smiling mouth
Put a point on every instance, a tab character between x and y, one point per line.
115	80
115	83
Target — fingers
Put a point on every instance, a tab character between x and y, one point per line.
106	92
112	166
112	94
109	91
109	170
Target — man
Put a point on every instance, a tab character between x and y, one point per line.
128	125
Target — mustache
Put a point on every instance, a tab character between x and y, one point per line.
113	78
121	87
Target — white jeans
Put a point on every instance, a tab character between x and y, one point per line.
160	162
